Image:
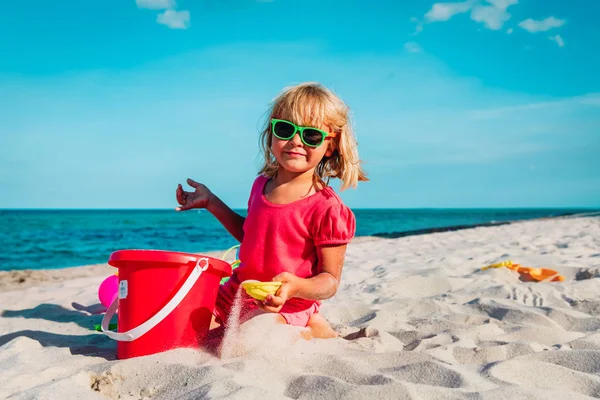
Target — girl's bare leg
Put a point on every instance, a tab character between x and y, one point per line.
318	328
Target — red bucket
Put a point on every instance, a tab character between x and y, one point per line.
165	300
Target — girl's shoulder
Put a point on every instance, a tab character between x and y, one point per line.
259	182
328	198
257	187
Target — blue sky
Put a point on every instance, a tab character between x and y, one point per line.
110	104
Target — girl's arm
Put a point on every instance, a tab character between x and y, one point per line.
320	287
232	221
325	284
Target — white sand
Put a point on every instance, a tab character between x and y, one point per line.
425	323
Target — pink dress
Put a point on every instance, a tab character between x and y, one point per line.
284	238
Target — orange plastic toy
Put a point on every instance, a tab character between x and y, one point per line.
536	274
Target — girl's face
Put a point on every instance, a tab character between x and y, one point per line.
295	156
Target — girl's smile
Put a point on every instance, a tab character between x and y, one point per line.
295	154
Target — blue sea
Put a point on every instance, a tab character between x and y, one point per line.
46	239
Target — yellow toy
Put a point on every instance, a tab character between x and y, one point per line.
536	274
256	289
260	290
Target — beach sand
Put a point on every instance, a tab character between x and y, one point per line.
419	317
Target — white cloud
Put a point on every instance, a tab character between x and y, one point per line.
445	11
533	26
174	19
413	47
155	4
559	41
492	16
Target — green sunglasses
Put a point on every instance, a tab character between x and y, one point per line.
285	130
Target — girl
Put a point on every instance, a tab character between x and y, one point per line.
297	227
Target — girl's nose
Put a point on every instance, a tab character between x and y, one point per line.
296	140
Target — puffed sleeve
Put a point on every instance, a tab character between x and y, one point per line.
334	225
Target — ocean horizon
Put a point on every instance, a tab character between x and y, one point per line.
61	238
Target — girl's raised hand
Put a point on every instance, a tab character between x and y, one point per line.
199	198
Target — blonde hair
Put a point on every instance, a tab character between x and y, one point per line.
312	104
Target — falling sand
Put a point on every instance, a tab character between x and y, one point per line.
230	345
259	334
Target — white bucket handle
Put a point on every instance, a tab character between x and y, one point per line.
137	332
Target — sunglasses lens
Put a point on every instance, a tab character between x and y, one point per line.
312	137
283	130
